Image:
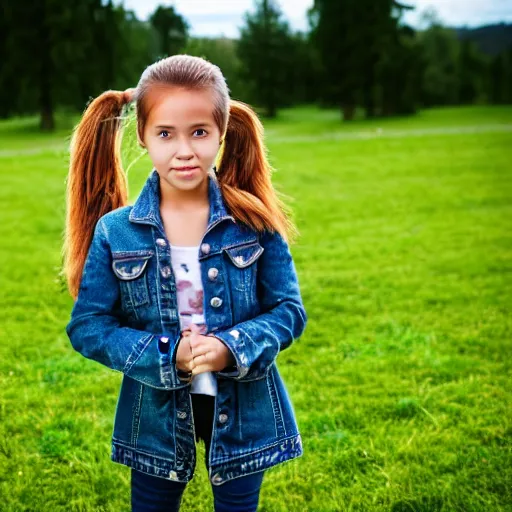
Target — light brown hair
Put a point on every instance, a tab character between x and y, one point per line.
97	183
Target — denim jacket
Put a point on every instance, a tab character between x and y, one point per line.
125	317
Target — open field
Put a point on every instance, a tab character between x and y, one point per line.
402	380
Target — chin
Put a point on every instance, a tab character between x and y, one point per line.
188	184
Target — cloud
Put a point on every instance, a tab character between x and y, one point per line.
208	18
463	12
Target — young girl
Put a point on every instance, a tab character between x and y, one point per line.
190	293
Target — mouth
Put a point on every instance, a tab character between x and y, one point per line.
190	168
186	173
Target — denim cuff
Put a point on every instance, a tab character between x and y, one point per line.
170	371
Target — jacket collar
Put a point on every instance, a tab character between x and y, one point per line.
146	209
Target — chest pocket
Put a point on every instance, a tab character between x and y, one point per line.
131	270
242	266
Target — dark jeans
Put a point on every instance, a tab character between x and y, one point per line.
154	494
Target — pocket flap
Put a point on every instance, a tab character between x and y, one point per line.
128	268
244	255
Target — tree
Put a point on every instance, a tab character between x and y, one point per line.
501	78
13	75
305	75
334	32
222	52
440	51
360	43
399	74
391	68
472	71
63	53
47	41
171	28
264	50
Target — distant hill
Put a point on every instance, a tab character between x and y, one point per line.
491	39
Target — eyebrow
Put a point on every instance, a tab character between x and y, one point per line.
169	127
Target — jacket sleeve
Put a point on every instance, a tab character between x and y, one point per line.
96	331
255	343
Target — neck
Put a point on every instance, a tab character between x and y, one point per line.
176	199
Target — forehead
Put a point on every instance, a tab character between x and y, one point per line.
179	106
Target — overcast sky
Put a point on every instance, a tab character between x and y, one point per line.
224	17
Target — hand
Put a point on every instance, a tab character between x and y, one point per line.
202	353
184	359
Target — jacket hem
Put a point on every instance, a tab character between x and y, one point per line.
282	451
149	463
277	453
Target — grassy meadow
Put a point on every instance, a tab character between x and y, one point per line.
402	380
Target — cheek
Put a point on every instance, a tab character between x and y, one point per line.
157	154
208	152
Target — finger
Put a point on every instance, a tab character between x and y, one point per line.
202	369
203	359
200	349
194	328
189	359
184	357
198	342
184	352
194	336
186	366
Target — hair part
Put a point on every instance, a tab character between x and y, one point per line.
97	183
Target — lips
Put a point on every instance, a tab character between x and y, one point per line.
186	173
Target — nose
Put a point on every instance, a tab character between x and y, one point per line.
184	149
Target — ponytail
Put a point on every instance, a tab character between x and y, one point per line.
244	175
96	182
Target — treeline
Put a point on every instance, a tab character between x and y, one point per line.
358	56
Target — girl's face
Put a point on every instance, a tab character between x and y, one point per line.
181	136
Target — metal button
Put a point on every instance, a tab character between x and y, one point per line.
166	271
213	273
173	475
223	418
205	248
182	415
216	302
216	479
161	242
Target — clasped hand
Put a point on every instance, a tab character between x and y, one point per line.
198	353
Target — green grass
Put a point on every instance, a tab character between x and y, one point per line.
401	382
